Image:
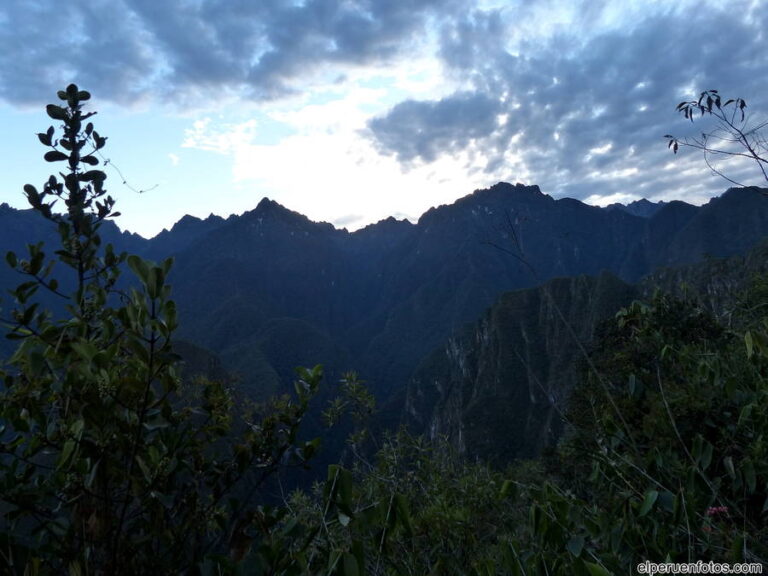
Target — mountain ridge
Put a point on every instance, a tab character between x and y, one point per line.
381	298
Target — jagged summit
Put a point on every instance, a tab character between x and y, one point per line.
389	223
266	203
506	192
642	208
191	224
271	215
268	207
187	221
500	195
738	194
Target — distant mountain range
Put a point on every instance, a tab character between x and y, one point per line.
270	290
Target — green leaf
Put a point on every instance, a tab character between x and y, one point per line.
85	349
144	468
728	463
55	156
92	176
648	502
508	489
575	545
75	569
77	427
749	343
92	474
56	112
745	414
301	388
154	282
667	501
32	194
66	453
139	267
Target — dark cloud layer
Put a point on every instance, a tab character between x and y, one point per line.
586	114
435	128
180	50
44	44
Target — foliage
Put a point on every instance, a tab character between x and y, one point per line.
667	458
109	463
734	135
419	509
665	461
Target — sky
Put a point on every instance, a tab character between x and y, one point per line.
350	111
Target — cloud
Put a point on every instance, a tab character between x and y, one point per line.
329	170
424	130
221	138
583	109
198	52
573	96
349	220
45	44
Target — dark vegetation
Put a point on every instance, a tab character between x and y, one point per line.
124	450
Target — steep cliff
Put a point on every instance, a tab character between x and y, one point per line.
496	390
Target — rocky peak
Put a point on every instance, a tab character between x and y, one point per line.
642	208
274	211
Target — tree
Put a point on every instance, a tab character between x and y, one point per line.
109	462
734	135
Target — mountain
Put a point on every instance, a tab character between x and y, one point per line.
182	234
642	208
496	390
508	375
270	289
21	227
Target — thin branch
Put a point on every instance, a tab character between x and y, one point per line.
108	161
